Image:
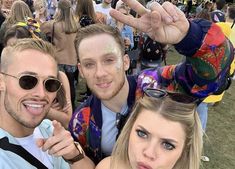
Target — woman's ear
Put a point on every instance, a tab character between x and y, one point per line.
126	61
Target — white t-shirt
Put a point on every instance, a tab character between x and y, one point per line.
29	144
99	8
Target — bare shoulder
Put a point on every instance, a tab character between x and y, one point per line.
104	164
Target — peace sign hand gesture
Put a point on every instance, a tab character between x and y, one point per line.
164	23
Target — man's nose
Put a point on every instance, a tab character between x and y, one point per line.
100	71
39	90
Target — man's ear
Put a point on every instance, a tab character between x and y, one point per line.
80	70
126	62
2	83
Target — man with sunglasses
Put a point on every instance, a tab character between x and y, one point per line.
28	85
102	62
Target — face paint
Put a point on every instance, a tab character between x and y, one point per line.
117	52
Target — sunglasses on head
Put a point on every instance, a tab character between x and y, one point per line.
178	97
28	82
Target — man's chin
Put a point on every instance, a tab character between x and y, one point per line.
31	125
104	97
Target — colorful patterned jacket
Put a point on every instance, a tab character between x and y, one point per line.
208	58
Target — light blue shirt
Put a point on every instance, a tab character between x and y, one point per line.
128	32
10	160
109	129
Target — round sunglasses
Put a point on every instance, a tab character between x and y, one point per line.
178	97
28	82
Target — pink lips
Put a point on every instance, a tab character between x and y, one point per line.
141	165
104	85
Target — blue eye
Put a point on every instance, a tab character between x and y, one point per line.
168	146
141	133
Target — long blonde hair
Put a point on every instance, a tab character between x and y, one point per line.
37	4
65	14
19	12
185	114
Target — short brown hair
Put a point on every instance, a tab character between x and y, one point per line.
97	29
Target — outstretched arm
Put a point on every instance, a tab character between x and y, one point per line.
163	23
62	144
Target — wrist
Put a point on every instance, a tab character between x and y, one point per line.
79	154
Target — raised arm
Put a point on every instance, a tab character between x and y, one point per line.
163	23
208	53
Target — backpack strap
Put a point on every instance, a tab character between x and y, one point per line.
233	24
19	150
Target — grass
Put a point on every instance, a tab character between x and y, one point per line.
219	144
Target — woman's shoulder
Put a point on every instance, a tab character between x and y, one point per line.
104	164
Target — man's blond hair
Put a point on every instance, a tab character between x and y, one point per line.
8	53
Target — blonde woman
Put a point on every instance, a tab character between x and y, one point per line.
64	28
19	12
41	11
163	131
6	6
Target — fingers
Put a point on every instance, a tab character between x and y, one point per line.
62	146
40	142
66	108
59	144
129	20
55	105
171	10
136	6
167	12
57	127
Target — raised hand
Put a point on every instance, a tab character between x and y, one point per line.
164	23
60	144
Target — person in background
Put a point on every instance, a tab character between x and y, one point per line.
40	11
2	19
30	4
19	11
6	6
85	12
51	6
64	28
2	15
218	14
125	30
163	131
28	85
98	121
104	8
228	27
